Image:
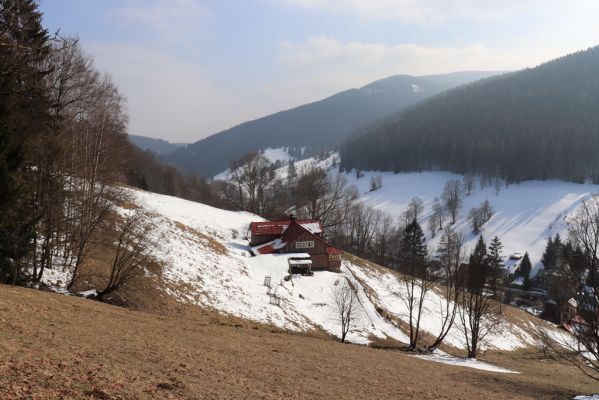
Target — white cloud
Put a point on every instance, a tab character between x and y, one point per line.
358	58
435	11
421	10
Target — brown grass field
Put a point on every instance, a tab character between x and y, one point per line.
58	347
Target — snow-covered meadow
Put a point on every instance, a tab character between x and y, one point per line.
526	214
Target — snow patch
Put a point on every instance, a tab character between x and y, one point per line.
278	154
444	358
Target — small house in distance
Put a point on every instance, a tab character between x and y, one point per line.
295	236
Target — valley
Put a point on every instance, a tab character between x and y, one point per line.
290	199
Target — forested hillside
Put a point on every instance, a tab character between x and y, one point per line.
538	123
315	126
158	146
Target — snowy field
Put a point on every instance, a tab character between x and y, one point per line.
526	214
207	262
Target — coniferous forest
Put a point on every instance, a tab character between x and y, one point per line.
539	123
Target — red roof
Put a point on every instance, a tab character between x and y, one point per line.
289	236
575	322
276	228
333	250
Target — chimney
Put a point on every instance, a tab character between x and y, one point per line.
291	217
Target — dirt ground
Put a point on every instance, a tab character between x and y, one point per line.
57	347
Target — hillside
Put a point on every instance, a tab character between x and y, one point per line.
59	347
209	296
158	146
315	126
205	261
538	123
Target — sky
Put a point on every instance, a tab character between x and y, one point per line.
191	68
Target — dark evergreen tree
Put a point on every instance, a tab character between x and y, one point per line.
574	256
495	260
414	253
23	113
414	264
549	256
291	171
479	270
525	267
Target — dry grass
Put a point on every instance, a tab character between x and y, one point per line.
210	242
57	347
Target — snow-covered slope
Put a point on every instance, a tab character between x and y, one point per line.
272	155
206	261
280	154
526	214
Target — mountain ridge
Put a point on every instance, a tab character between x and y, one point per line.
318	125
537	123
155	145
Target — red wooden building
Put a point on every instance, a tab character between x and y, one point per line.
295	236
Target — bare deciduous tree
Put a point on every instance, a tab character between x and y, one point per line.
468	183
254	175
320	196
480	215
98	140
438	213
452	198
451	256
345	303
133	248
376	182
432	225
415	208
77	159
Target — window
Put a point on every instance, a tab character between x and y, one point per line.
304	245
335	257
